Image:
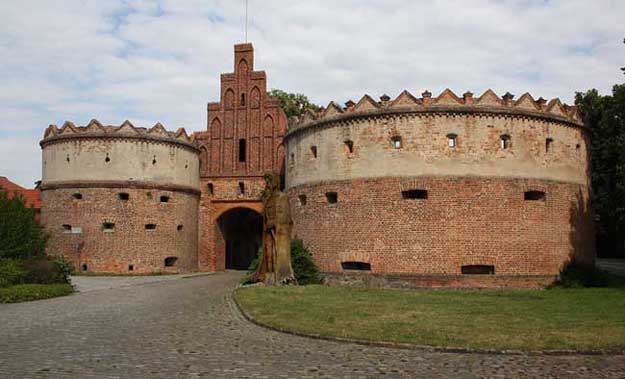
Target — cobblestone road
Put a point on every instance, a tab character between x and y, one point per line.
188	328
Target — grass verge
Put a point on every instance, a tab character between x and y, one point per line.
28	292
556	319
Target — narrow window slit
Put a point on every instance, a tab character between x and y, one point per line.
548	145
242	150
349	146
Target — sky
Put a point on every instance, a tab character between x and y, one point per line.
160	61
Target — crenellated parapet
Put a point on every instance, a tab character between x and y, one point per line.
447	102
95	130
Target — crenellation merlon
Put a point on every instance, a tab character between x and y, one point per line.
447	101
95	129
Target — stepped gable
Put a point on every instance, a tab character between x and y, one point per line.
95	129
447	101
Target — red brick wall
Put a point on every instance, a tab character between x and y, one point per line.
261	122
129	243
464	221
225	197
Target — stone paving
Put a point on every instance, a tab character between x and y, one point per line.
189	328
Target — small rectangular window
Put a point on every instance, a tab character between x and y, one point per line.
313	152
179	227
534	196
332	197
478	270
124	196
415	194
150	226
396	141
170	261
210	189
302	199
67	228
505	141
451	140
131	267
77	196
359	266
164	199
241	188
108	226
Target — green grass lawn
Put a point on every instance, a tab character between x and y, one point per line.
28	292
581	318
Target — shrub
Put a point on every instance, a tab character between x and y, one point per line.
46	270
306	271
21	236
11	272
576	275
253	267
304	267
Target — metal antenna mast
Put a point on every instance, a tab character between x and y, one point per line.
246	20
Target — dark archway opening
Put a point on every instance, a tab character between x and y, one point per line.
241	229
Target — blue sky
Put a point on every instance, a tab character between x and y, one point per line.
150	61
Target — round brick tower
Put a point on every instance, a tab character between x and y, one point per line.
447	190
121	199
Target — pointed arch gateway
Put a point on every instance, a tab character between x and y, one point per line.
238	237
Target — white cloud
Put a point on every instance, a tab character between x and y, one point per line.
151	61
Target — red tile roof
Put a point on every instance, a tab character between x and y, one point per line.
31	196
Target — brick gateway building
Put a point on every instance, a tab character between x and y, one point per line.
440	190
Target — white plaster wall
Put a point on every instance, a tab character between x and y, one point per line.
129	160
425	152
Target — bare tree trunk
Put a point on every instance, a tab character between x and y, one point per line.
275	265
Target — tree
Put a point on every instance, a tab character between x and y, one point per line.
605	115
21	236
293	104
623	68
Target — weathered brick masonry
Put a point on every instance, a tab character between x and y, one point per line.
128	243
425	192
121	199
243	141
430	191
